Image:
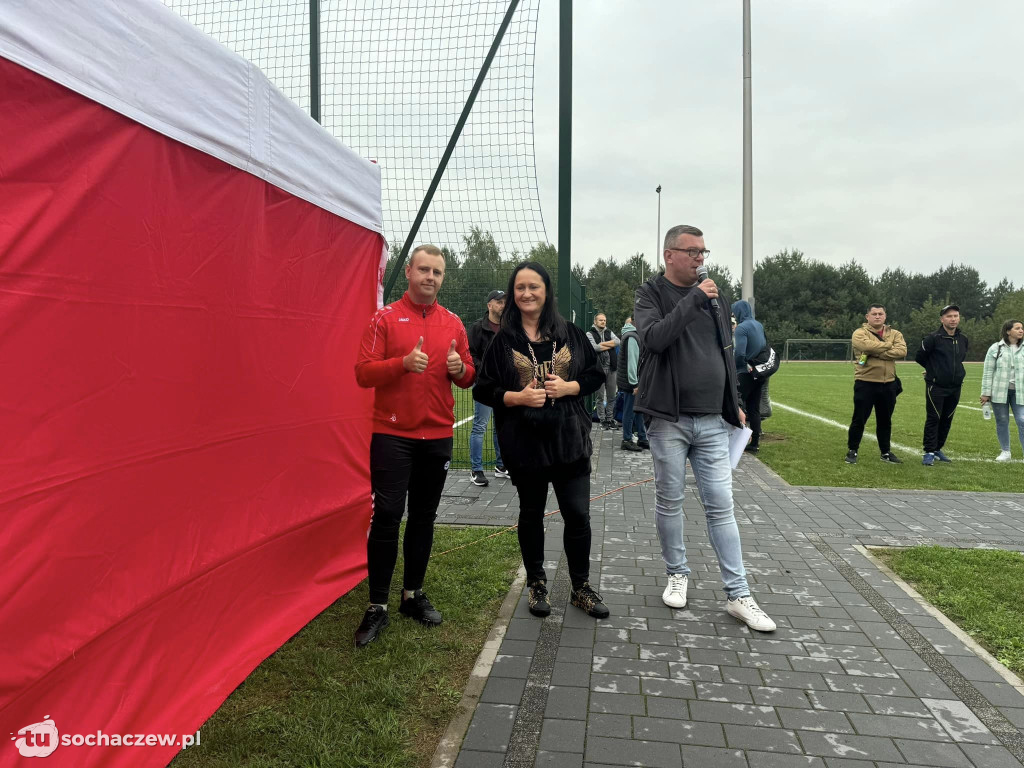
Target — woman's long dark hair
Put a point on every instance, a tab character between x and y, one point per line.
1007	327
551	324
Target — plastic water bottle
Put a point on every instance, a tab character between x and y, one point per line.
986	411
863	359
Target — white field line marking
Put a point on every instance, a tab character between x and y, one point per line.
838	375
464	421
846	427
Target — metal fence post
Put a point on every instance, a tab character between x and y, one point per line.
314	59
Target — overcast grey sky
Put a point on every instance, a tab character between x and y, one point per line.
889	131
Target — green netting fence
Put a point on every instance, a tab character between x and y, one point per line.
393	78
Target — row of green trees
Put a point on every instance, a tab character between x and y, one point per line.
478	267
796	297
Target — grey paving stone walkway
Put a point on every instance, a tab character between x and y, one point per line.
856	675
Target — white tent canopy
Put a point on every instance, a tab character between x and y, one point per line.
144	61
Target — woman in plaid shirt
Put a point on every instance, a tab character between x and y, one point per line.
1002	378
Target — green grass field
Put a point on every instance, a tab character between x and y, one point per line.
318	701
805	439
979	589
463	426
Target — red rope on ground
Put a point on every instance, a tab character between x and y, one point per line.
549	514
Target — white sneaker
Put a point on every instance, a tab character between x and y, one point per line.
1003	456
750	613
674	595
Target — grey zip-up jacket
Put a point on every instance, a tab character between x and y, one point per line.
663	368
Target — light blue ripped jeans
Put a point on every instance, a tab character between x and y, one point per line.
1002	414
704	440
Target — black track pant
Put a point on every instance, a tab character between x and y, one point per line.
401	466
882	398
573	495
750	397
939	405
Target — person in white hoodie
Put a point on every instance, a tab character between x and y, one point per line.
1001	379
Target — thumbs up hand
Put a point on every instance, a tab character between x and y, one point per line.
456	368
533	397
416	361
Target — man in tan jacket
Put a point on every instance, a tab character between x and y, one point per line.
876	348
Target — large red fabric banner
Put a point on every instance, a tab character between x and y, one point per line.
183	448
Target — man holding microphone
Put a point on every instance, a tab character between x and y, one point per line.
688	389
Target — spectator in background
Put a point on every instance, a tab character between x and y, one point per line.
1002	377
480	334
535	375
876	386
748	341
627	379
604	343
942	355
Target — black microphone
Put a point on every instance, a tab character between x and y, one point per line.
702	275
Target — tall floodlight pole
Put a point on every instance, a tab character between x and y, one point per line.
314	59
565	158
657	239
748	191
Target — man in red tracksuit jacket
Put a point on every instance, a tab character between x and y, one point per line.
410	354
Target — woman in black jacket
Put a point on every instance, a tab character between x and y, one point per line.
535	374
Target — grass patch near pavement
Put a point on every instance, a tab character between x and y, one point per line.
318	701
806	451
981	590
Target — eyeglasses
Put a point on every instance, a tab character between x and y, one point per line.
692	252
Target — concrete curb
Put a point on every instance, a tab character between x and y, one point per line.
960	635
451	741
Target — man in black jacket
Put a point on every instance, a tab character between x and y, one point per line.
942	354
688	389
480	334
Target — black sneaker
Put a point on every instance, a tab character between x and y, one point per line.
500	472
419	608
892	458
539	605
751	449
644	444
479	479
586	599
374	620
629	445
851	457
